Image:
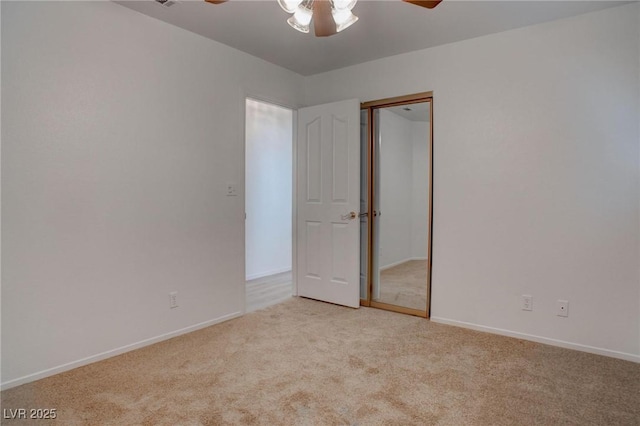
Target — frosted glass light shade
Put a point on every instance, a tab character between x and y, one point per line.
302	16
343	4
300	20
343	18
289	6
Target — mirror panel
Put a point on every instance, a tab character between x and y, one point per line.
401	205
364	201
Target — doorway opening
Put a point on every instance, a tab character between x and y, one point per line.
268	203
397	194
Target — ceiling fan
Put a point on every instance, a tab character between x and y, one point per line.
329	16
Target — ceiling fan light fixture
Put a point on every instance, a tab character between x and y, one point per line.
289	6
326	11
343	18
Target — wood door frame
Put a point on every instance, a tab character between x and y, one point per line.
370	107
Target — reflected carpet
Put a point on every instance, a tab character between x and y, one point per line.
405	285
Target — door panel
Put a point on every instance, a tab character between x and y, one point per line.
313	160
313	249
339	243
340	159
328	185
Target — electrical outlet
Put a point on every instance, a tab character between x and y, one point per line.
173	299
563	308
527	302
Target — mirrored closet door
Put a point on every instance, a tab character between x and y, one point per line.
397	192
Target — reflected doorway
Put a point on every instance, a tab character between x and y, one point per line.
268	204
397	191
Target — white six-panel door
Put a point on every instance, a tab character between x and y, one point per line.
328	182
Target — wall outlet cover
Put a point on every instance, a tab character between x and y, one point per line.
562	308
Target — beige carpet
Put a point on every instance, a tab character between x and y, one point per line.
311	363
405	285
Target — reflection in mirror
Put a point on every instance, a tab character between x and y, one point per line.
364	231
401	201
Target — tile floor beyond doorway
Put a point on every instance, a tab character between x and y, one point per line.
267	291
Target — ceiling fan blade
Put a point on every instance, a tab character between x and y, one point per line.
215	1
423	3
323	22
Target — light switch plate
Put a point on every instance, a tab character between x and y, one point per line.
527	302
232	189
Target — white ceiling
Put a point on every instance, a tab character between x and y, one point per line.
412	112
385	28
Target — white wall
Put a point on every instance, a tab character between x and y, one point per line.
396	146
420	189
404	189
268	189
536	167
121	135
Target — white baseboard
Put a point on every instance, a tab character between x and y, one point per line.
539	339
266	274
108	354
400	262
